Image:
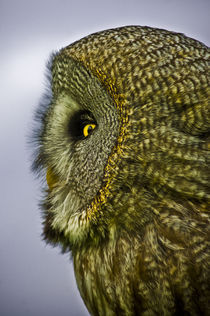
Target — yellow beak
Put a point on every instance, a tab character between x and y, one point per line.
51	178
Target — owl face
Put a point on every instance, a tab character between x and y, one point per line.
80	126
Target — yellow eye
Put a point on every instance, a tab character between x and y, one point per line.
88	128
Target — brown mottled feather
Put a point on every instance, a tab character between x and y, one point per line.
147	251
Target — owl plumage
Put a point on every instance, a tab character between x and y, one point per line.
124	137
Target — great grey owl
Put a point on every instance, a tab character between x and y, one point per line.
123	139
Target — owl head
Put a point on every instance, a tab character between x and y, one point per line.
122	132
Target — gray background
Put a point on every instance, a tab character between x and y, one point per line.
34	278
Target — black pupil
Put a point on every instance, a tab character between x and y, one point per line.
90	129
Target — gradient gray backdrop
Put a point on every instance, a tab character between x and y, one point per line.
34	278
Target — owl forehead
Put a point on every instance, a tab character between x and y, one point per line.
112	56
134	62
